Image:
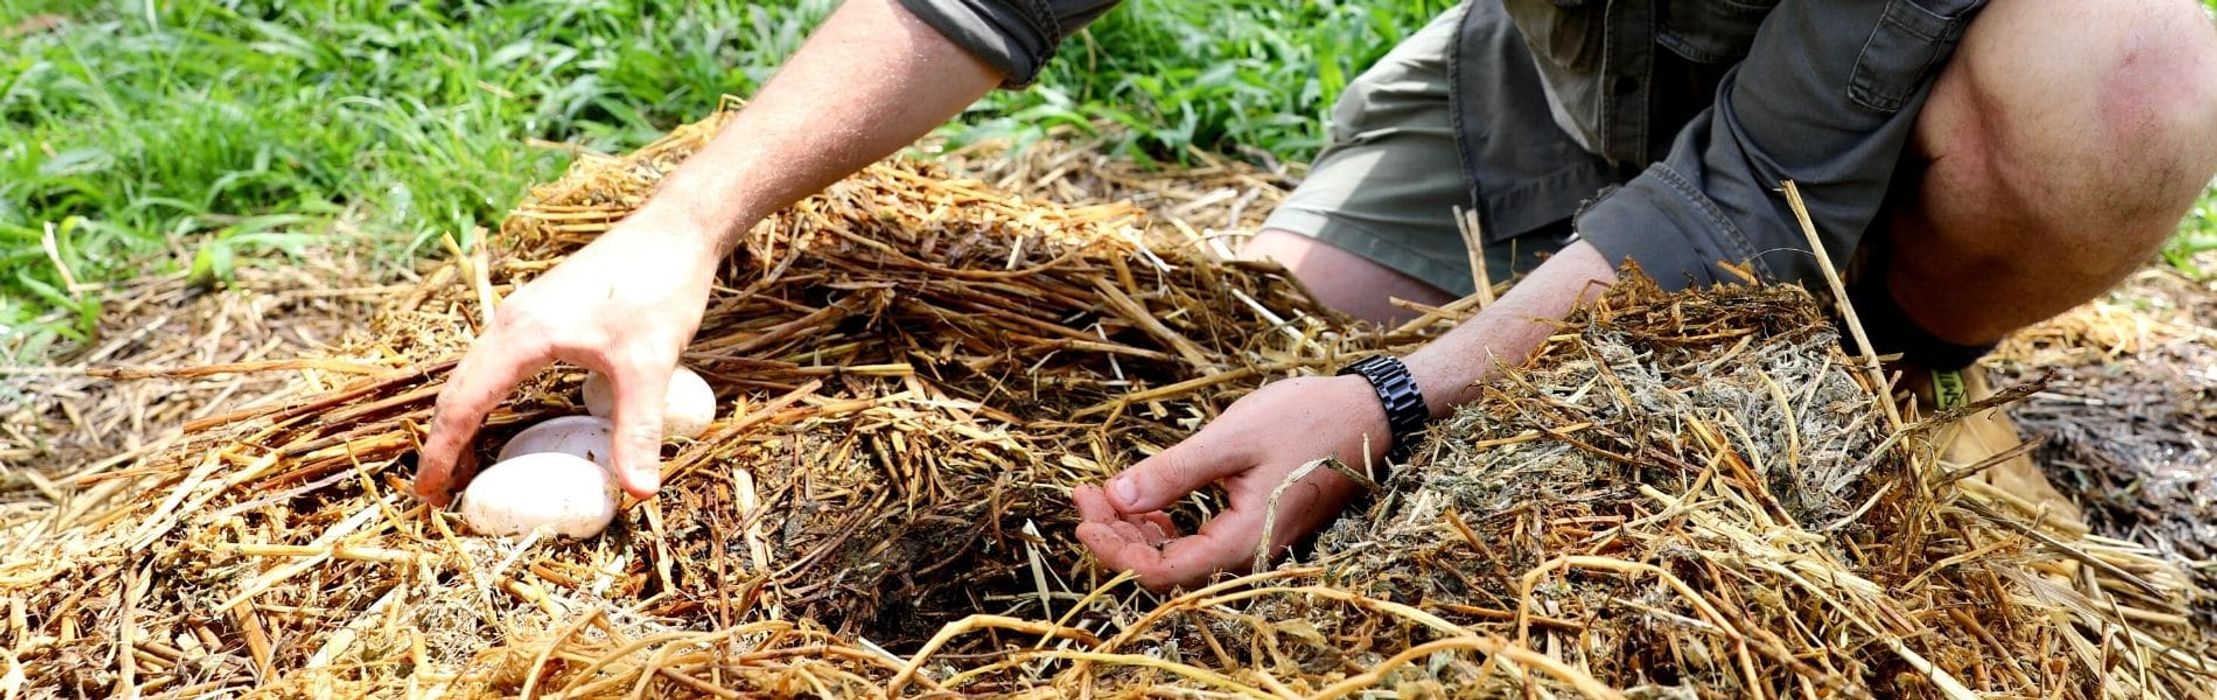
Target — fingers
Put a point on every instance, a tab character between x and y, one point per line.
1227	543
1147	545
1125	528
1156	482
1157	525
492	367
1093	506
640	389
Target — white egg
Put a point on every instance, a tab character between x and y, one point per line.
563	493
687	408
591	437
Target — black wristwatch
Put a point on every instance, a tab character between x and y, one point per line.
1405	410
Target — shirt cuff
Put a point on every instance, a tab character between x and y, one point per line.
1014	37
1675	233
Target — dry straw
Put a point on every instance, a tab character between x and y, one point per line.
1688	496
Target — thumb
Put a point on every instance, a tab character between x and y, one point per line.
638	421
1158	481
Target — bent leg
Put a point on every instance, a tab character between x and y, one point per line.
2063	143
1375	218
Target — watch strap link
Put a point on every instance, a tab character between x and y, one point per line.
1406	413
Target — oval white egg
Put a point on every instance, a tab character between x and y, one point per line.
564	493
591	437
687	408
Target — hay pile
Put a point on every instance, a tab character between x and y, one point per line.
2128	420
124	396
1695	497
1690	496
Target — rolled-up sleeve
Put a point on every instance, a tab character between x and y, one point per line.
1827	97
1016	37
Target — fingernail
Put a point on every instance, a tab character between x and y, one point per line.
1127	493
647	482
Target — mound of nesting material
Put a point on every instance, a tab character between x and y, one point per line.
915	370
1695	496
2128	421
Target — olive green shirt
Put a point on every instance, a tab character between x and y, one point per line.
1694	112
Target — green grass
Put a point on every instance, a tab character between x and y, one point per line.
2196	235
1258	74
212	134
239	131
209	134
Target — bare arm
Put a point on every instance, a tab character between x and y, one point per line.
1263	438
1448	369
870	81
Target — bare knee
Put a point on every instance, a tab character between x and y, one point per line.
2063	142
2080	118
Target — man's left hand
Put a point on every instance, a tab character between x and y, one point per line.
1258	442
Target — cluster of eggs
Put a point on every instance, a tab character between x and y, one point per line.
557	474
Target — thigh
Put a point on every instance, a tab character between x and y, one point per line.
1387	187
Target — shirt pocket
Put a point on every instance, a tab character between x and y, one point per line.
1710	31
1911	39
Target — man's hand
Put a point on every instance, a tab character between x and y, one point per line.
624	306
1251	449
1265	437
870	80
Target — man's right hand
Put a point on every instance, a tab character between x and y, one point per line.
624	305
872	79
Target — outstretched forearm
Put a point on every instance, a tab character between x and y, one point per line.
1260	442
869	82
1508	332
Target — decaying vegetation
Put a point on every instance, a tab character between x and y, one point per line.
2127	422
1687	496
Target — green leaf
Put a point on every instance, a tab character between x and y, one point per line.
211	265
76	161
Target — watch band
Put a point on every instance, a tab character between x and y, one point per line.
1397	392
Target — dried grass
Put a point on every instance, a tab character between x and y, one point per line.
2127	418
169	352
1690	496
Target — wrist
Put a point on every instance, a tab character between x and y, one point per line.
675	222
1399	400
1435	382
702	208
1364	408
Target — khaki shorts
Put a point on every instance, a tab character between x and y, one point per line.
1387	185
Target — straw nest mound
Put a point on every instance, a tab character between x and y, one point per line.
2128	422
1686	496
1695	496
